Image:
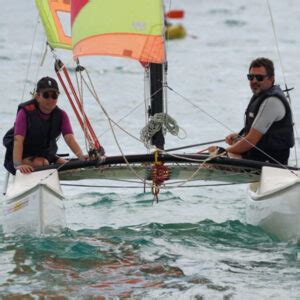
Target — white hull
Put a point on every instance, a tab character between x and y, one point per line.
274	203
34	204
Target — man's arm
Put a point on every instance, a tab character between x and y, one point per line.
270	111
246	143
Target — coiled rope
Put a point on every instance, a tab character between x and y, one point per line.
158	121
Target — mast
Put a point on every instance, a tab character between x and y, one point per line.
157	89
157	103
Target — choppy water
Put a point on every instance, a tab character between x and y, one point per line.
193	244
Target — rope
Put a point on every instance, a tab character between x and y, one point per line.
158	121
201	165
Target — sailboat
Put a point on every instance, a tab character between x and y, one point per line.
139	34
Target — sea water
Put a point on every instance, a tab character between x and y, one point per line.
194	243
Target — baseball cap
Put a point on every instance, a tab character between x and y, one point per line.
47	84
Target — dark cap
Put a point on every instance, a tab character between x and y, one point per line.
47	83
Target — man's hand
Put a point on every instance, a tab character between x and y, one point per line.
231	138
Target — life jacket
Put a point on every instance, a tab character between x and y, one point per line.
279	138
41	135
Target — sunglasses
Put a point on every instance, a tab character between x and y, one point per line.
258	77
52	95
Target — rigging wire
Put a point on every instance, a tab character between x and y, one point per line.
166	42
139	187
121	119
30	57
276	42
96	97
147	95
80	92
195	145
283	72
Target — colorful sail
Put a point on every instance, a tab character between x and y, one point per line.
50	12
123	28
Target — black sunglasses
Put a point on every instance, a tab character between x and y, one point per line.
52	95
258	77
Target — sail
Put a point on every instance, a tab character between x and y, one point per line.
127	28
51	13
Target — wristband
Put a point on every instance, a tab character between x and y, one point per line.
221	150
17	164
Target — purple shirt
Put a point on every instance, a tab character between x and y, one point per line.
21	123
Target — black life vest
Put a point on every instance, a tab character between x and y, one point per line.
41	135
278	140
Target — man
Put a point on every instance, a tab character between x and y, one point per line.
268	131
39	123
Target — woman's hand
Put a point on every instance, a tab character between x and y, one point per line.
25	169
83	157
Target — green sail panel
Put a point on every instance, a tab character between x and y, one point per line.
126	28
50	11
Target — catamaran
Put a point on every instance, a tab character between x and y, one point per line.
139	34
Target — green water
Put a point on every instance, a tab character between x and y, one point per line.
197	260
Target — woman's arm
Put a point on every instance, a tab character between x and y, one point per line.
73	145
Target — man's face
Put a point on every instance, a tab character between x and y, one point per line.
261	82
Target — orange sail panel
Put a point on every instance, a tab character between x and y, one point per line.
127	28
